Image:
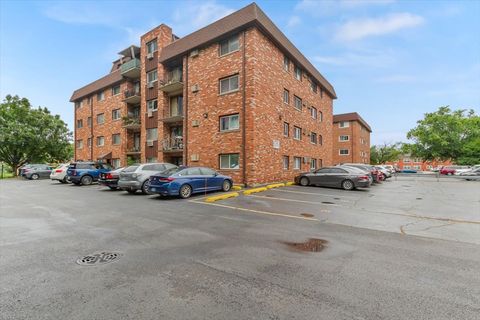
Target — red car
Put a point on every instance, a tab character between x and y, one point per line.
447	171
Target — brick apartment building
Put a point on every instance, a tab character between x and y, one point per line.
409	162
236	96
351	139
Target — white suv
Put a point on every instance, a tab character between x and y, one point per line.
60	173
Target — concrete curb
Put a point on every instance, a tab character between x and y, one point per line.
250	191
290	183
222	197
275	185
236	188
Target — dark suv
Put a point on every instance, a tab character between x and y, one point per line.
86	172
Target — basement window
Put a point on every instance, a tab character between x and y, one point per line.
229	161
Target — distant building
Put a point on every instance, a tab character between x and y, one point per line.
408	162
351	139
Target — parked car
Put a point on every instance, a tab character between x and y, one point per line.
408	171
389	168
136	177
447	171
110	179
21	170
184	181
60	173
339	177
86	173
473	174
461	169
384	171
376	175
37	171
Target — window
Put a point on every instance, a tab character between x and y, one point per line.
79	124
286	129
152	46
115	90
343	152
100	141
192	172
297	133
229	45
151	159
320	139
100	118
152	76
100	96
286	162
116	138
89	122
286	63
298	103
116	163
89	142
116	114
229	84
176	106
78	104
79	144
229	161
313	138
313	112
297	163
152	105
313	164
321	93
207	172
228	123
152	134
343	138
313	86
320	115
298	73
286	96
344	124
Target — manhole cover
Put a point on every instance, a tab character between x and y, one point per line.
336	198
419	198
327	202
307	215
311	245
98	258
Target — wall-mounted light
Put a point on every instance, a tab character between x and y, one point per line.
205	115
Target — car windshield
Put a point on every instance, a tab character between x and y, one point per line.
130	169
171	171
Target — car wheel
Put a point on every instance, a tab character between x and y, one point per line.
113	188
76	183
64	180
449	174
86	180
34	176
185	191
348	185
384	177
145	186
304	181
226	186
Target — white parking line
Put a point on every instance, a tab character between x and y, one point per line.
317	194
295	200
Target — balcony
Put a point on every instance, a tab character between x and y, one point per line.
170	117
131	122
133	150
132	96
172	145
131	69
173	82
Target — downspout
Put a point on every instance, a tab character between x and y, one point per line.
244	135
74	132
91	129
185	125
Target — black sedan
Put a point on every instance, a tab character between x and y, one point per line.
110	179
336	177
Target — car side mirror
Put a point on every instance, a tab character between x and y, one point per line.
215	174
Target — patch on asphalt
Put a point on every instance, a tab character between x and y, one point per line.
328	202
311	245
307	215
98	258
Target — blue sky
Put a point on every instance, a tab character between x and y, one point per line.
391	61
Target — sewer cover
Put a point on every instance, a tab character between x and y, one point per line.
98	258
419	198
311	245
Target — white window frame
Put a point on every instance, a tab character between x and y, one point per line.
286	162
344	124
100	138
313	134
229	155
313	112
79	144
152	134
295	131
314	162
286	96
79	123
117	111
343	140
230	42
343	154
297	163
102	117
149	75
286	129
286	63
149	47
229	79
229	123
295	100
101	96
298	73
113	90
152	105
119	139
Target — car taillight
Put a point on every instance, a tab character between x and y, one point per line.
108	176
58	170
169	179
363	178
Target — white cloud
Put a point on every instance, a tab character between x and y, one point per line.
362	28
328	7
359	59
293	21
83	13
194	15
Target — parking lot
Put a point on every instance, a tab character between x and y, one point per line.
405	249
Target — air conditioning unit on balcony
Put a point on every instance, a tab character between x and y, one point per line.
150	113
194	157
150	85
195	88
195	123
150	143
150	56
194	53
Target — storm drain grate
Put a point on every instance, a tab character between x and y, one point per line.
98	258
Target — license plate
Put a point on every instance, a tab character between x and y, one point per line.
152	189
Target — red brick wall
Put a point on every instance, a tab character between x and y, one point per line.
358	152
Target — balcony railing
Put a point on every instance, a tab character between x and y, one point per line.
131	68
133	150
131	122
173	81
132	96
173	144
172	117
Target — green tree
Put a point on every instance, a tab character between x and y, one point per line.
31	135
447	134
384	153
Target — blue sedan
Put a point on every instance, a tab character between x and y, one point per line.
184	181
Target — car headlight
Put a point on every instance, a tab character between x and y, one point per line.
134	175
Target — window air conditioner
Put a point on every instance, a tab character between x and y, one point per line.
150	143
195	88
150	85
194	157
150	56
195	123
150	113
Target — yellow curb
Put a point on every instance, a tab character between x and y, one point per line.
222	197
236	188
290	183
275	185
247	192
